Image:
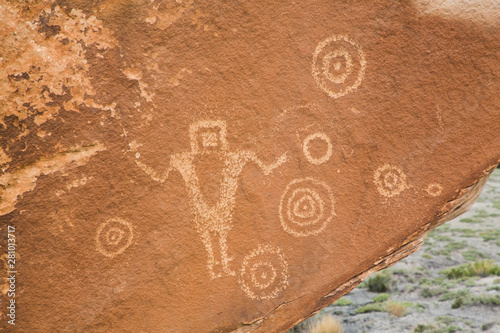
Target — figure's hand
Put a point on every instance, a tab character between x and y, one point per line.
152	173
268	168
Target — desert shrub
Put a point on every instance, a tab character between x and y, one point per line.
431	292
371	307
454	294
396	308
343	302
493	288
452	328
447	320
380	283
381	298
431	282
480	268
326	324
487	326
473	255
421	307
423	328
490	300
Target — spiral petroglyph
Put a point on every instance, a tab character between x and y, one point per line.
306	207
113	237
338	65
264	273
390	180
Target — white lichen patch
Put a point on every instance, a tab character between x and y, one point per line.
164	13
484	11
37	66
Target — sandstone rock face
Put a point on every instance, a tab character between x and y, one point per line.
187	166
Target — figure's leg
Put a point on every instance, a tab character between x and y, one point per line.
210	252
223	251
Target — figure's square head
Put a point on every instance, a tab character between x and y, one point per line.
208	136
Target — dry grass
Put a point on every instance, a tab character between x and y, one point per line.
326	324
396	309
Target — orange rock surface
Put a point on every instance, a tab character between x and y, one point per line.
188	166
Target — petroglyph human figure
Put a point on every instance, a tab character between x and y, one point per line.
212	220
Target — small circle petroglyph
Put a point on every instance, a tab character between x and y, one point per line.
264	273
390	180
434	189
338	65
306	207
327	154
113	237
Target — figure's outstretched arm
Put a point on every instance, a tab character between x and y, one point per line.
152	173
270	167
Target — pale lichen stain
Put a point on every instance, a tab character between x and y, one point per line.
24	179
134	73
44	57
165	13
478	11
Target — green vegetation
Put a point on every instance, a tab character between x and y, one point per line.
490	234
397	309
487	326
423	328
480	268
381	298
481	213
399	271
431	292
343	302
471	282
441	238
454	295
465	232
372	307
427	256
420	307
473	255
471	220
447	320
380	282
490	300
494	288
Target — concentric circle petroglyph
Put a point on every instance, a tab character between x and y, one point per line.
306	207
113	237
264	273
338	65
390	180
434	189
325	156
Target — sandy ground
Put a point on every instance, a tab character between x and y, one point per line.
419	284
